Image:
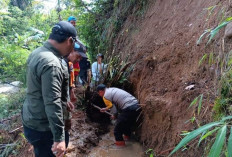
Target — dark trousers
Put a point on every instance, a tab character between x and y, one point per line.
42	141
125	121
83	77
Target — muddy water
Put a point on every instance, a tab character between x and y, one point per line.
106	148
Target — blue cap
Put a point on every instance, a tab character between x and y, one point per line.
71	18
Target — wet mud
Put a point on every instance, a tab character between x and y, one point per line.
89	139
106	148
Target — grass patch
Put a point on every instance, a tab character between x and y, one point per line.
12	103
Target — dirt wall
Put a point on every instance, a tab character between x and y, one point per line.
162	43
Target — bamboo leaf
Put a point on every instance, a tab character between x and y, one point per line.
193	135
209	133
229	147
228	19
203	59
200	104
215	31
211	58
201	137
216	149
226	118
193	102
200	39
151	152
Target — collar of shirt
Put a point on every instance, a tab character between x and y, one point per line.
52	49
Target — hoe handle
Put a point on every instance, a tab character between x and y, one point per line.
97	107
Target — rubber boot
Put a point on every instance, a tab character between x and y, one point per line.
126	138
120	143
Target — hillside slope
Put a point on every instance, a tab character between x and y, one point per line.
162	43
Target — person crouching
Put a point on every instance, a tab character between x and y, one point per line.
128	107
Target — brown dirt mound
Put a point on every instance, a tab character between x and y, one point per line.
163	45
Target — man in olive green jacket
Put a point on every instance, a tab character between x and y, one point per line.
47	92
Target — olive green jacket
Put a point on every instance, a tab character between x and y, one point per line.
47	91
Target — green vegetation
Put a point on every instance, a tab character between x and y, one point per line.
104	22
197	101
219	129
150	152
14	147
214	31
19	36
11	104
118	71
23	28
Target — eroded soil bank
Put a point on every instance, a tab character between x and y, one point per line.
162	43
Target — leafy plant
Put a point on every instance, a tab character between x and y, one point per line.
210	11
212	32
219	128
118	71
11	104
150	152
198	101
203	59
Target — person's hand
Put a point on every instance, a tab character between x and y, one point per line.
70	106
103	109
73	96
58	149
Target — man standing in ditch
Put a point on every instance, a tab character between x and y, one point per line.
128	107
47	92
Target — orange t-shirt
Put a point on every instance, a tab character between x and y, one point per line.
72	79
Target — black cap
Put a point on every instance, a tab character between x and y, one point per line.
101	87
65	28
78	48
100	55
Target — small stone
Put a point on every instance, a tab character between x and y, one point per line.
190	87
16	83
228	31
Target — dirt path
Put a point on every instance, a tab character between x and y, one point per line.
84	135
87	139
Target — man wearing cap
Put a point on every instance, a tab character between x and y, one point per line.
128	107
74	57
47	92
72	20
